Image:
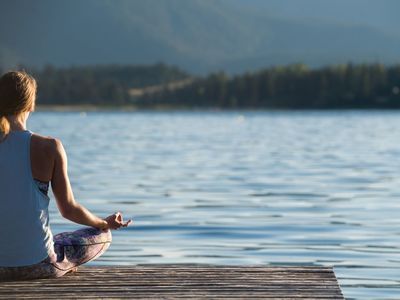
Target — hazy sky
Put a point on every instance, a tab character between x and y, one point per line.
377	13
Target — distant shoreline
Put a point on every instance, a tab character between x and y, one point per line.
89	107
160	108
80	107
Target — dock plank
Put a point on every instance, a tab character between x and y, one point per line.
182	282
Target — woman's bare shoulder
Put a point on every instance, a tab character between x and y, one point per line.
48	144
46	151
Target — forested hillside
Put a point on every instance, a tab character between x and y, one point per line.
289	87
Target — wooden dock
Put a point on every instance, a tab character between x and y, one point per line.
182	281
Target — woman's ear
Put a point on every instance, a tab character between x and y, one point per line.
33	106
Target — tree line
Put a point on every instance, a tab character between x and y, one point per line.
282	87
294	87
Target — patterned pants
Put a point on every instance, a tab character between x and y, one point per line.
71	249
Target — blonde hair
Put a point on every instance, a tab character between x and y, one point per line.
17	95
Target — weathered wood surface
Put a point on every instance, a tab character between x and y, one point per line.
182	281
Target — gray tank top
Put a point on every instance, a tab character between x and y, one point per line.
25	235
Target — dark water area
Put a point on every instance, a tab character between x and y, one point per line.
276	188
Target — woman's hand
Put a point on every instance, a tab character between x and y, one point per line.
115	221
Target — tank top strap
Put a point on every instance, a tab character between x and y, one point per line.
22	143
27	144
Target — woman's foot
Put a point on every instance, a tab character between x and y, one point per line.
73	270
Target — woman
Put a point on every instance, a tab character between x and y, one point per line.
28	163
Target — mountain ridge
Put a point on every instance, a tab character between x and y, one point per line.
198	36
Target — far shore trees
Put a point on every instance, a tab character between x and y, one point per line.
281	87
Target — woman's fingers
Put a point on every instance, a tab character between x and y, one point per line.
118	221
126	223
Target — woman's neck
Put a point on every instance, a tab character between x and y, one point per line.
17	123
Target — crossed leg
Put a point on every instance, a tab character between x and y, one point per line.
71	249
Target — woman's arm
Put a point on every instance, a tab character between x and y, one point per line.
69	208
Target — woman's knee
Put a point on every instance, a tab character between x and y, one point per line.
106	235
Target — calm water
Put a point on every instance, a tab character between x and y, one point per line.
278	188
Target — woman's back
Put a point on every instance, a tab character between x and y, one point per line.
29	239
28	162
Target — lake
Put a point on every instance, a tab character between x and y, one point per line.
276	188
